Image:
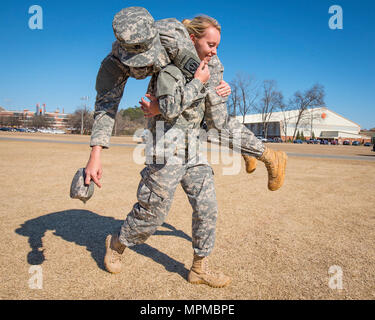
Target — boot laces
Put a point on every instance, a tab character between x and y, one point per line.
207	269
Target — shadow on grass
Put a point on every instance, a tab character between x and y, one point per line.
366	155
88	229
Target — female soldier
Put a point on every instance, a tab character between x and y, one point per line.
178	109
138	53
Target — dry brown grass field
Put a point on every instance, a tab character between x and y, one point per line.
274	245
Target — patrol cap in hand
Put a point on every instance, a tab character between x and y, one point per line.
78	189
135	31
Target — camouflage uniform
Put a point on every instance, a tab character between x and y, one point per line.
180	49
182	109
230	130
119	65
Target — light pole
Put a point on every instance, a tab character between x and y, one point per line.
85	98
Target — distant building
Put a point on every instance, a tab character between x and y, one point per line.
16	118
23	119
370	134
58	120
319	122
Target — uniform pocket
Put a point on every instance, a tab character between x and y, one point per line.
150	201
151	183
213	98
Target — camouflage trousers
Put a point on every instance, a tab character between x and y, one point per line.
155	195
228	130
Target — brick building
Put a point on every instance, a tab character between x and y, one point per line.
23	119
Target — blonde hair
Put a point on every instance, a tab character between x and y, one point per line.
198	25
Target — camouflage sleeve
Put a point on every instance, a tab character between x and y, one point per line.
110	83
175	96
216	71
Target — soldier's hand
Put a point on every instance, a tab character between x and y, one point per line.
223	89
150	108
202	73
93	168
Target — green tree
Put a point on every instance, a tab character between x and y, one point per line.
132	114
128	121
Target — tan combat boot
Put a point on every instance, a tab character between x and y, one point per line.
250	163
275	162
114	250
201	274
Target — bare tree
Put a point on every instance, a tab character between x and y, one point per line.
233	101
311	98
313	117
81	119
120	125
40	121
246	94
269	103
285	110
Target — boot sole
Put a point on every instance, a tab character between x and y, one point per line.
195	279
254	166
281	182
251	171
209	284
285	158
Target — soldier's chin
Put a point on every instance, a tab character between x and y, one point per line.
207	59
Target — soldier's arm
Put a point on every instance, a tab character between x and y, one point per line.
174	97
110	83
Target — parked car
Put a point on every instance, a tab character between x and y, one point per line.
367	144
323	141
313	141
373	147
278	140
298	141
334	142
346	143
356	143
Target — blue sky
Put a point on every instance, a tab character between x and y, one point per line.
288	41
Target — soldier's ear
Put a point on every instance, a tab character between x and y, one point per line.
192	37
